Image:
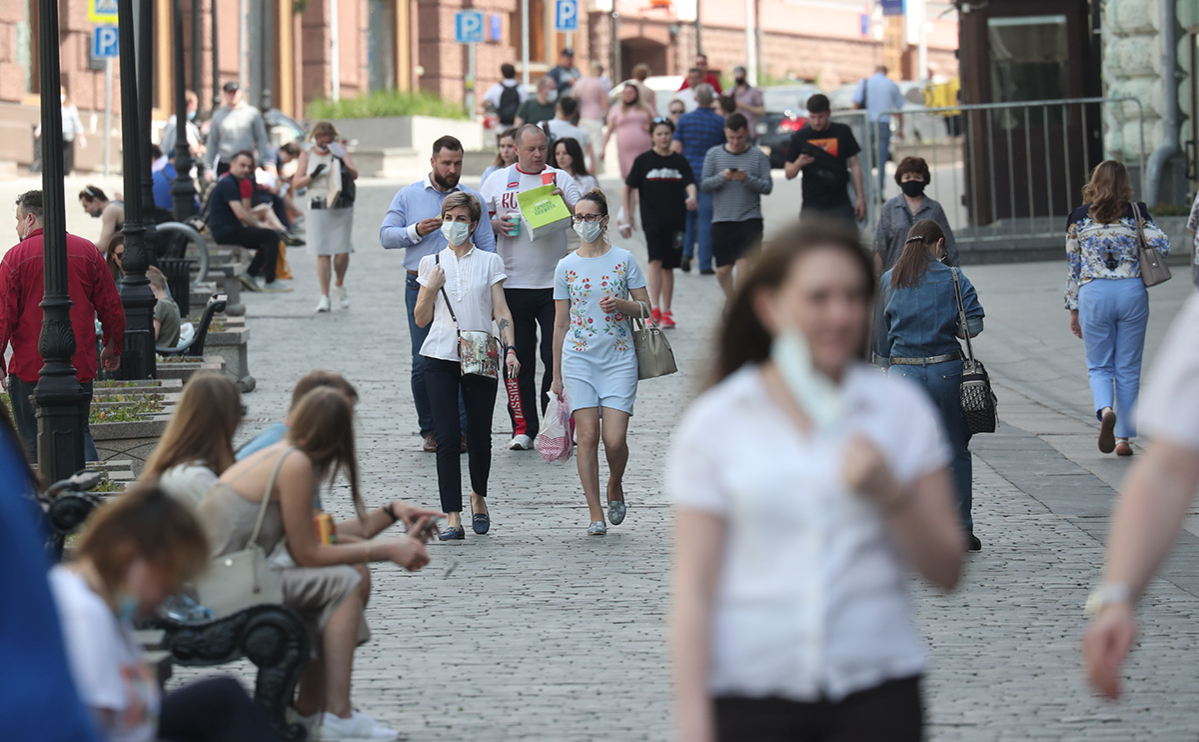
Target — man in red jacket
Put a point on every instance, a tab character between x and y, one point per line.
93	293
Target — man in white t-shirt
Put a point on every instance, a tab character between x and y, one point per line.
530	266
1157	495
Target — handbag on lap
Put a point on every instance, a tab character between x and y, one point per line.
241	579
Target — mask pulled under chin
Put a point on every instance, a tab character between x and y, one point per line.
816	393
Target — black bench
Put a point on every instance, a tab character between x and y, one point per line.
195	346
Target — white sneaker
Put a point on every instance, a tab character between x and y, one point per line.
358	728
274	287
521	442
323	304
343	299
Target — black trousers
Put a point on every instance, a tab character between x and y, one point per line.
891	712
444	382
531	308
213	710
264	243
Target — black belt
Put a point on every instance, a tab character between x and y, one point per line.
930	361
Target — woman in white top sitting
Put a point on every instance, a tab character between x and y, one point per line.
474	281
197	446
134	553
805	483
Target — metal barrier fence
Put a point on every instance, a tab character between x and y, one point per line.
859	122
1011	173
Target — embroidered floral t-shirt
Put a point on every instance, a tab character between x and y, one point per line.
584	282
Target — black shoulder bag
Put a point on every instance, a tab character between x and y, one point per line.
977	400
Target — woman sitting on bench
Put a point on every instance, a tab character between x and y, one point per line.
328	584
132	554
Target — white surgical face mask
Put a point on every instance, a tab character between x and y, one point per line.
815	393
455	232
551	96
589	231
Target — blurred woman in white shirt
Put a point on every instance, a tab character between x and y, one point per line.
794	522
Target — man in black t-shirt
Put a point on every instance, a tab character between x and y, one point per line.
827	154
665	184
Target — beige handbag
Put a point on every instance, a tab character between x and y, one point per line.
241	579
1153	266
654	356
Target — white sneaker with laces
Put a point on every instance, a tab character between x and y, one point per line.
358	728
323	304
343	299
520	442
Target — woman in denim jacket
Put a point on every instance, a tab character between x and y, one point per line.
922	326
1108	303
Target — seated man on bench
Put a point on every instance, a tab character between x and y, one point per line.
232	221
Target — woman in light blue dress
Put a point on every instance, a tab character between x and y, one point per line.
596	291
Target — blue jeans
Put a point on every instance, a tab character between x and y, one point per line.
1113	314
24	416
420	394
699	227
943	383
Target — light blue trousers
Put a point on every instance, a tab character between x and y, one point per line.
1113	314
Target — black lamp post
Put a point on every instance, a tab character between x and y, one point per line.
137	358
61	402
216	59
183	191
145	103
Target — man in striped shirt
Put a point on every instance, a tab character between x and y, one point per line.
737	174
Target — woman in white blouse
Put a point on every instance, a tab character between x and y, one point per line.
474	281
804	483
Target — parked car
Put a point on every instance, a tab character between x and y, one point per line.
786	113
282	128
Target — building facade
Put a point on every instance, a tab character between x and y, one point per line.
287	53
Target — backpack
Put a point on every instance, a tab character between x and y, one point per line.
509	103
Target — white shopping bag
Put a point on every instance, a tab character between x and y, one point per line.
555	441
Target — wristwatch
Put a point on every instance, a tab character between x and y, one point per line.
1106	594
389	508
510	348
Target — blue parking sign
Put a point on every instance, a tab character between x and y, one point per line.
566	15
105	42
468	25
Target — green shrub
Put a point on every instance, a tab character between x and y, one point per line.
385	103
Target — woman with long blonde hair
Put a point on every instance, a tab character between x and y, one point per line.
1106	297
328	585
330	219
197	446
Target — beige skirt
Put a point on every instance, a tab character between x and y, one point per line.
317	592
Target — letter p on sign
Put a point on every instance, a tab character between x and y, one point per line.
566	17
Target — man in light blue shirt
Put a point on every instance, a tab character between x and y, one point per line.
876	94
413	223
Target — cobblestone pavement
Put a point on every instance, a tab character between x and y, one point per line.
542	633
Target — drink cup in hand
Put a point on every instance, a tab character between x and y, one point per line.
513	223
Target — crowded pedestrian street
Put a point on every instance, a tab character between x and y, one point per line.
538	632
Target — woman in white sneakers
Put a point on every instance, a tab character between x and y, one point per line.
330	221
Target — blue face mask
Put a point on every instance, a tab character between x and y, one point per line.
815	393
126	608
191	115
455	232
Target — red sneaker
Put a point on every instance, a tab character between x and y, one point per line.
667	321
656	316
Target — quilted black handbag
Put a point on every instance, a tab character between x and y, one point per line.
976	398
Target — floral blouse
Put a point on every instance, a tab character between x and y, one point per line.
1107	251
583	282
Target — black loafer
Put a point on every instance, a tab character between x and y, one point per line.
481	523
974	544
453	534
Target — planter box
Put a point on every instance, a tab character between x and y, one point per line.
184	371
409	132
145	386
130	440
1181	244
